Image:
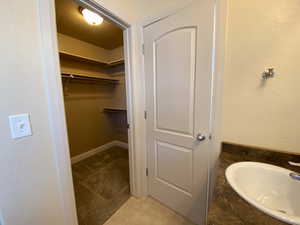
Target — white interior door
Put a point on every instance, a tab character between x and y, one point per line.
178	65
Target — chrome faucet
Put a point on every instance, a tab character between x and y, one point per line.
295	176
268	74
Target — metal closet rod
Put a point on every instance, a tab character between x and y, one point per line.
79	77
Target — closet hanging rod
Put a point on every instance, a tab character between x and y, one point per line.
80	77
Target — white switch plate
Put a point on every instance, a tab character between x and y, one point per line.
20	125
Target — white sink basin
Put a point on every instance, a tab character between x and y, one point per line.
268	188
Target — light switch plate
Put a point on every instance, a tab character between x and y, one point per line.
20	125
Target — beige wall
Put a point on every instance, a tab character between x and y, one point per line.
138	10
119	120
30	192
116	54
262	34
88	125
72	46
29	181
75	47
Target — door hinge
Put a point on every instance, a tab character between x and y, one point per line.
210	136
147	173
128	126
143	49
145	114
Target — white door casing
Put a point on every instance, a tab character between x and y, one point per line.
178	67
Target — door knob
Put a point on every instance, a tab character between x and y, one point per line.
200	137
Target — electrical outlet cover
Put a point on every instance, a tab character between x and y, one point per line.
20	125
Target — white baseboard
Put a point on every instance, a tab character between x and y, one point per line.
121	144
101	148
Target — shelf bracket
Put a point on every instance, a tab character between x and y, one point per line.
66	85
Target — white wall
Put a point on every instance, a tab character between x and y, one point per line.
135	11
152	9
30	193
126	10
262	34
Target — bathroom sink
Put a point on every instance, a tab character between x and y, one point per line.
268	188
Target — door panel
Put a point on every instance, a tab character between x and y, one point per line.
178	171
174	86
178	66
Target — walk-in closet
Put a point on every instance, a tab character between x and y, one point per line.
93	77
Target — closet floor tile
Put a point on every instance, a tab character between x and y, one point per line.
80	171
110	180
101	184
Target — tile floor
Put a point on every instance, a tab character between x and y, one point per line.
102	193
145	211
101	184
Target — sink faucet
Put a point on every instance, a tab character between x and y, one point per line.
295	176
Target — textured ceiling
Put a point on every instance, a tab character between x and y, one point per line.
70	22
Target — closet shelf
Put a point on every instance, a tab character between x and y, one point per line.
115	63
81	58
116	74
89	78
114	110
91	60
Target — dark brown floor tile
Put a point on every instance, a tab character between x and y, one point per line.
80	170
101	159
101	185
111	179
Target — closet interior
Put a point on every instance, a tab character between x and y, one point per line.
93	78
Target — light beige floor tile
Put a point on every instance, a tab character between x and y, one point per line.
145	211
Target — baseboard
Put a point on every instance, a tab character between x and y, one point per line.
101	148
121	144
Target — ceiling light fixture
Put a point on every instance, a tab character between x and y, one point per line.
91	17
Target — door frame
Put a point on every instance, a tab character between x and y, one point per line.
56	110
135	67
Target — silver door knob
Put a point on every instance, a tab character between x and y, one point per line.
200	137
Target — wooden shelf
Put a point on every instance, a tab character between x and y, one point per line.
81	58
116	74
90	60
87	73
114	110
115	63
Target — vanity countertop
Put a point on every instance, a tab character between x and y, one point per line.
227	208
